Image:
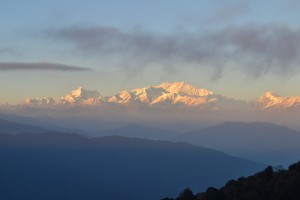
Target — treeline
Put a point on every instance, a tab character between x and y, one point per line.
270	184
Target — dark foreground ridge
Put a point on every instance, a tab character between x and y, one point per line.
269	184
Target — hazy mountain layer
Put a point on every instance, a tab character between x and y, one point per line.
61	166
15	127
264	142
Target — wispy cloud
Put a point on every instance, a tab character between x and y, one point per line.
43	66
256	49
8	51
228	11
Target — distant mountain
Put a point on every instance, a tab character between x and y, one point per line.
79	96
272	101
263	142
15	127
21	124
63	166
19	119
269	184
164	95
139	131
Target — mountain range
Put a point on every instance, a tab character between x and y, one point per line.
167	95
139	131
272	101
69	166
259	141
12	127
101	167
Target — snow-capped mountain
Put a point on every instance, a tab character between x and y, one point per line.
184	89
79	96
45	101
272	101
168	95
163	95
178	93
82	96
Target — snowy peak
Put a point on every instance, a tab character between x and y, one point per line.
80	94
165	99
148	94
77	92
170	96
273	101
270	95
184	89
165	95
140	95
124	97
40	101
269	99
177	93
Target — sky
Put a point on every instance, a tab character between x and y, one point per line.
240	49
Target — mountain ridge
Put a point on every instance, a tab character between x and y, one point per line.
164	95
173	93
99	168
260	141
12	127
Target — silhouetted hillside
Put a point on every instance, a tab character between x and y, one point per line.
64	166
266	185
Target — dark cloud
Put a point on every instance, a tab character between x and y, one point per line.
43	66
255	49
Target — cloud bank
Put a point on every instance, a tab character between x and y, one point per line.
255	49
43	66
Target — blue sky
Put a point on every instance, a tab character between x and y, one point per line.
237	48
